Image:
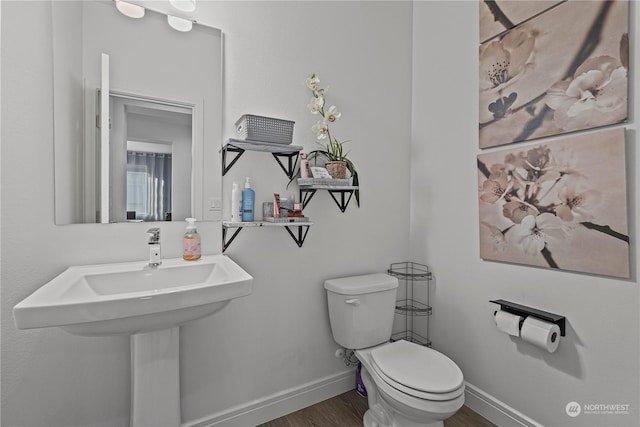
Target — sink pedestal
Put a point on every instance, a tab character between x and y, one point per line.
155	378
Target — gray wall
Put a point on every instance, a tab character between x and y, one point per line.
405	83
598	361
277	341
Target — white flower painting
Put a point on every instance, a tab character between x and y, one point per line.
561	71
496	17
559	205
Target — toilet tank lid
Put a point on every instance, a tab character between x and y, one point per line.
365	284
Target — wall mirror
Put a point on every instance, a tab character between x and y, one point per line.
154	155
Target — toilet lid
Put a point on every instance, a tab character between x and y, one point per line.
418	367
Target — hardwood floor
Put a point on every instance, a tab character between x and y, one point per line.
347	410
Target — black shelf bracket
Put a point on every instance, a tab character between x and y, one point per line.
306	194
342	197
233	149
292	162
344	201
298	237
524	311
302	234
225	242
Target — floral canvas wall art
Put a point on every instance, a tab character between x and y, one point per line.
497	16
562	71
558	205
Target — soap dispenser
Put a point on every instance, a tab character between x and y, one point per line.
248	201
191	242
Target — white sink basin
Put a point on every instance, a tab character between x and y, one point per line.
130	298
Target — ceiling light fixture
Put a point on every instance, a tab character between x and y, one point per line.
129	9
179	24
184	5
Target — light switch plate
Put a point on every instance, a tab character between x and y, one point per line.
215	204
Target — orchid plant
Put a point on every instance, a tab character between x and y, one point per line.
332	150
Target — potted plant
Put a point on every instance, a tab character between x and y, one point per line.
332	151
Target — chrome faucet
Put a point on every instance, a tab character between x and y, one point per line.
155	259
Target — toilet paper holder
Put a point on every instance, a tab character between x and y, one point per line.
524	311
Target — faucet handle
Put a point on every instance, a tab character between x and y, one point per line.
154	235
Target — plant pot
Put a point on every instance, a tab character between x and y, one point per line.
337	170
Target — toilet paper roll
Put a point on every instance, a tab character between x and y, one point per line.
508	323
540	333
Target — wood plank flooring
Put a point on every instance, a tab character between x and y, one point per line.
347	410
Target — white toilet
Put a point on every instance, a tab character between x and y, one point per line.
408	385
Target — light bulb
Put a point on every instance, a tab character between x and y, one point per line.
179	24
184	5
129	9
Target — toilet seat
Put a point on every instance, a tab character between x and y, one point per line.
417	371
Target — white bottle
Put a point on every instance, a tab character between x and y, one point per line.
236	203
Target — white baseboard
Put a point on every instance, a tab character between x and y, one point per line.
495	410
285	402
279	404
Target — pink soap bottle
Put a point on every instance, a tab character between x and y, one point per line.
191	242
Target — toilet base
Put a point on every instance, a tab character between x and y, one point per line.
370	420
384	411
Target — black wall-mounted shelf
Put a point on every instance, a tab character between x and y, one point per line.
523	310
285	155
298	236
287	158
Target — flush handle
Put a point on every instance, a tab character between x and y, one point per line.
353	301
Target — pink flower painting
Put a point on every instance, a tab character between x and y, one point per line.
559	205
541	77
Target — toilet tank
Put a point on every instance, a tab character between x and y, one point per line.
361	309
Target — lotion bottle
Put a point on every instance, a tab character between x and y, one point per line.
236	203
191	242
248	201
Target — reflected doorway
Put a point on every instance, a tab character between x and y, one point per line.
150	160
149	181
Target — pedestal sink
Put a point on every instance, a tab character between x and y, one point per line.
150	304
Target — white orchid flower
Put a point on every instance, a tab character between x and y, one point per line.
321	129
321	92
315	105
332	114
313	82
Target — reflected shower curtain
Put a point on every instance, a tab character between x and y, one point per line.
149	185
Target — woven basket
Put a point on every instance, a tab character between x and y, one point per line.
265	129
